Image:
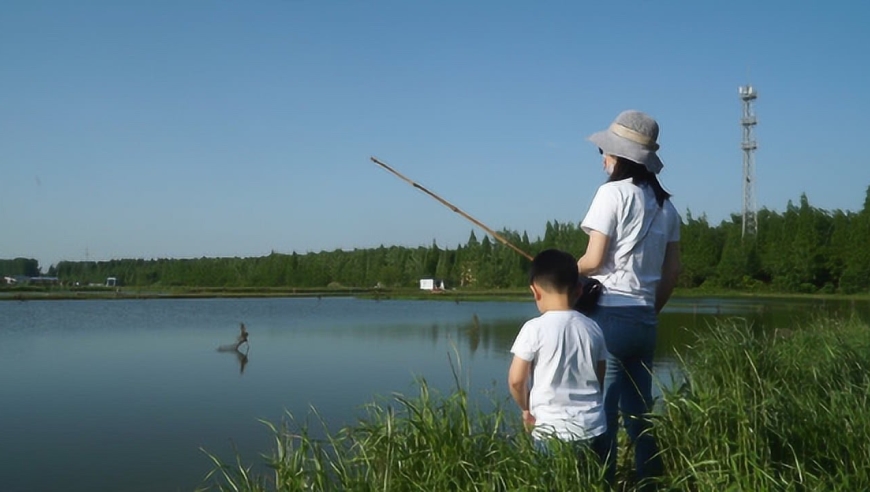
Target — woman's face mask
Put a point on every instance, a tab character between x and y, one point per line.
609	163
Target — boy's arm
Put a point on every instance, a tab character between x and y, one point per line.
518	383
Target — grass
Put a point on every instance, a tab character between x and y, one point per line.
26	293
78	293
421	443
783	411
33	292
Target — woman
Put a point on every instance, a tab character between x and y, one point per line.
634	251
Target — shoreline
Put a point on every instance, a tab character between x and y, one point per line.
245	293
507	295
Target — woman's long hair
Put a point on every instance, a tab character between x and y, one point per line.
639	175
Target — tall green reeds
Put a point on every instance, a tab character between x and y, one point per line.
756	411
422	443
781	411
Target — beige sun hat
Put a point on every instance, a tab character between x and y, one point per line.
632	135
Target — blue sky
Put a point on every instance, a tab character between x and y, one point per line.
226	128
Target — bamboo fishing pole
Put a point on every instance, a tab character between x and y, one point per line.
455	209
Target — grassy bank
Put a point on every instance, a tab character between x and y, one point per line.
58	293
756	412
28	293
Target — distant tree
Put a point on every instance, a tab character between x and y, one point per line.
701	247
732	265
20	266
856	274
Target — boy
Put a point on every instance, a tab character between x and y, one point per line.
559	360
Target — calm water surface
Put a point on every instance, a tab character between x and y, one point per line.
121	395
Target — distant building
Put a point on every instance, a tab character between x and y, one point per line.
111	281
43	280
431	284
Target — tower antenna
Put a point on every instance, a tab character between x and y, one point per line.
748	94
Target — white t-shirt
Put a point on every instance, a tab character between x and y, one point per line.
565	399
622	211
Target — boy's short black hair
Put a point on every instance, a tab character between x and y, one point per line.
554	270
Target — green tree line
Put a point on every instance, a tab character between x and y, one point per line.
803	249
27	267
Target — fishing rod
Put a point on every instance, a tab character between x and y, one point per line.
590	289
455	209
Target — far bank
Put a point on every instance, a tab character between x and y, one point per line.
48	293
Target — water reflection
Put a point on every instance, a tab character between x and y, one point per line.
474	333
235	348
241	357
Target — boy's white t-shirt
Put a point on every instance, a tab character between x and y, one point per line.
621	211
565	398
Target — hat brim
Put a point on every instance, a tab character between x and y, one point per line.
613	144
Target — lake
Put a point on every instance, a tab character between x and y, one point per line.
120	395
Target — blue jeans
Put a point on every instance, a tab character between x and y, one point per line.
630	336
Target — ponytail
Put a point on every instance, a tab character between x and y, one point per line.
639	175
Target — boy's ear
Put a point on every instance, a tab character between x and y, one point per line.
536	291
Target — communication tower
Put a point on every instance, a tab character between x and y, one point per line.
748	94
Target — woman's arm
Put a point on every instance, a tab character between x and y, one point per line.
670	272
592	260
600	373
